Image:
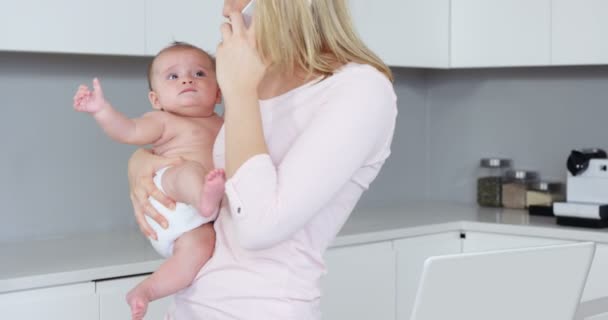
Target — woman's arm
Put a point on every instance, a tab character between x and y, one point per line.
269	204
354	129
142	168
239	72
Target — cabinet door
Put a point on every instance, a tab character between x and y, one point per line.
70	302
580	32
113	305
499	33
406	33
479	241
194	21
360	283
411	254
597	280
73	26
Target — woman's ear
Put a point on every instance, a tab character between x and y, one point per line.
153	97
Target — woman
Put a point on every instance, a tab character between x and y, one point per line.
309	118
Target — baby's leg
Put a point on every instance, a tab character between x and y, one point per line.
191	183
190	252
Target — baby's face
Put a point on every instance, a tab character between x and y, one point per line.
184	83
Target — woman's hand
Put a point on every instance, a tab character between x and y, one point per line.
239	66
142	168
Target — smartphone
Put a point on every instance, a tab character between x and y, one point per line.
248	13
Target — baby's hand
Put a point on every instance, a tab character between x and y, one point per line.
87	101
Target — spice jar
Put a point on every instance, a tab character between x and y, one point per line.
542	194
515	187
489	183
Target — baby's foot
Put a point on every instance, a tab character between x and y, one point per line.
138	301
213	192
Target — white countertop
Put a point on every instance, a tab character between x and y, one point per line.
74	259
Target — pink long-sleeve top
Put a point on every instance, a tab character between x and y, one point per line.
327	141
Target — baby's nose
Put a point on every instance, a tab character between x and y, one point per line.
187	81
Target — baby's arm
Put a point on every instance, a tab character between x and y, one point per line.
140	131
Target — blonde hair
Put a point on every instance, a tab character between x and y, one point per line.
315	35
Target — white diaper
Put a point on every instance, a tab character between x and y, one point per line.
183	219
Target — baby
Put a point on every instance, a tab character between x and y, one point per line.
183	92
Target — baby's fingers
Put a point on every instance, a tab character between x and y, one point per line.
97	88
82	91
81	95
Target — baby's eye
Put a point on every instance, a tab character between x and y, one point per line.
200	74
172	76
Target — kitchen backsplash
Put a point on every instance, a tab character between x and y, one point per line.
61	175
534	116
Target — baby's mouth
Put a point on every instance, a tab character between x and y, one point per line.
188	90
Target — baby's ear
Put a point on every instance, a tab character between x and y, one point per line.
154	100
218	99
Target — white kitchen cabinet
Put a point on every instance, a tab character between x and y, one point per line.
500	33
411	254
112	300
580	32
68	302
194	21
481	241
597	280
406	33
360	283
112	27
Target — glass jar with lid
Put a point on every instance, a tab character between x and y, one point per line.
489	182
542	194
515	187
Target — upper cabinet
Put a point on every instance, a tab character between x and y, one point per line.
484	33
193	21
456	33
500	33
113	27
413	33
580	32
404	33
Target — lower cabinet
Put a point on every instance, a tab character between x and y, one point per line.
411	254
597	280
113	304
360	283
481	241
68	302
365	281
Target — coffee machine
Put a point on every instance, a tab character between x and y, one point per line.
586	190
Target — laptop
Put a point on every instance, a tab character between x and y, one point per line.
540	283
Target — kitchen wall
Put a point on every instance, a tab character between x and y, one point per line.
62	175
535	116
59	173
404	175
